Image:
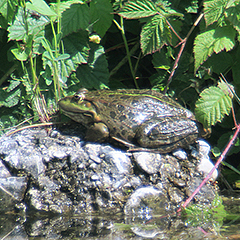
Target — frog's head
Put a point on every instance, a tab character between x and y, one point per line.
79	108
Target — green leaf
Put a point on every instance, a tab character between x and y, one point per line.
235	67
101	15
7	11
76	44
219	63
224	139
41	7
60	7
214	40
77	49
213	10
75	18
19	54
138	9
161	60
10	97
95	74
233	15
24	25
212	105
155	34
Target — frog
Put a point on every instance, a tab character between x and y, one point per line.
136	118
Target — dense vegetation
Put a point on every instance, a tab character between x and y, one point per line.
185	48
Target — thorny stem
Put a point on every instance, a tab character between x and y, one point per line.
183	43
220	159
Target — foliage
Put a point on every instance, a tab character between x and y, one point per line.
50	50
198	214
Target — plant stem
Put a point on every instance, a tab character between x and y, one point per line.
121	28
220	159
183	43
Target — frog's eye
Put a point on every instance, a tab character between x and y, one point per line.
78	97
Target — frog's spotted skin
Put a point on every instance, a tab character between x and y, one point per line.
142	117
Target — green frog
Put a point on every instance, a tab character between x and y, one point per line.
139	118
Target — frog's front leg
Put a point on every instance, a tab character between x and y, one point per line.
167	133
97	132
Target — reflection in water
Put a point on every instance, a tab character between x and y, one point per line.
114	226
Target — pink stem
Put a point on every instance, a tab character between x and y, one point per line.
215	167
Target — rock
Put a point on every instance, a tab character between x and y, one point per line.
64	174
148	162
205	165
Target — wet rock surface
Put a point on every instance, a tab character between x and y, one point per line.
56	172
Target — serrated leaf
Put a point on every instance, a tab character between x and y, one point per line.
75	18
95	73
101	15
155	34
213	10
138	9
41	7
214	40
212	105
23	26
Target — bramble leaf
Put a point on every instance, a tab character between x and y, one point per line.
138	9
75	18
212	105
101	15
214	40
213	10
155	34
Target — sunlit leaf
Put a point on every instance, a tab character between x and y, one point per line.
155	34
22	27
212	105
213	10
214	40
138	9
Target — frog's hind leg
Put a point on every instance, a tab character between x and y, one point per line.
167	133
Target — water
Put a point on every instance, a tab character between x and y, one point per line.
117	226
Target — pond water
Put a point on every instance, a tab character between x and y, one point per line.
117	226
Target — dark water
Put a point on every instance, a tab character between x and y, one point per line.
117	226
